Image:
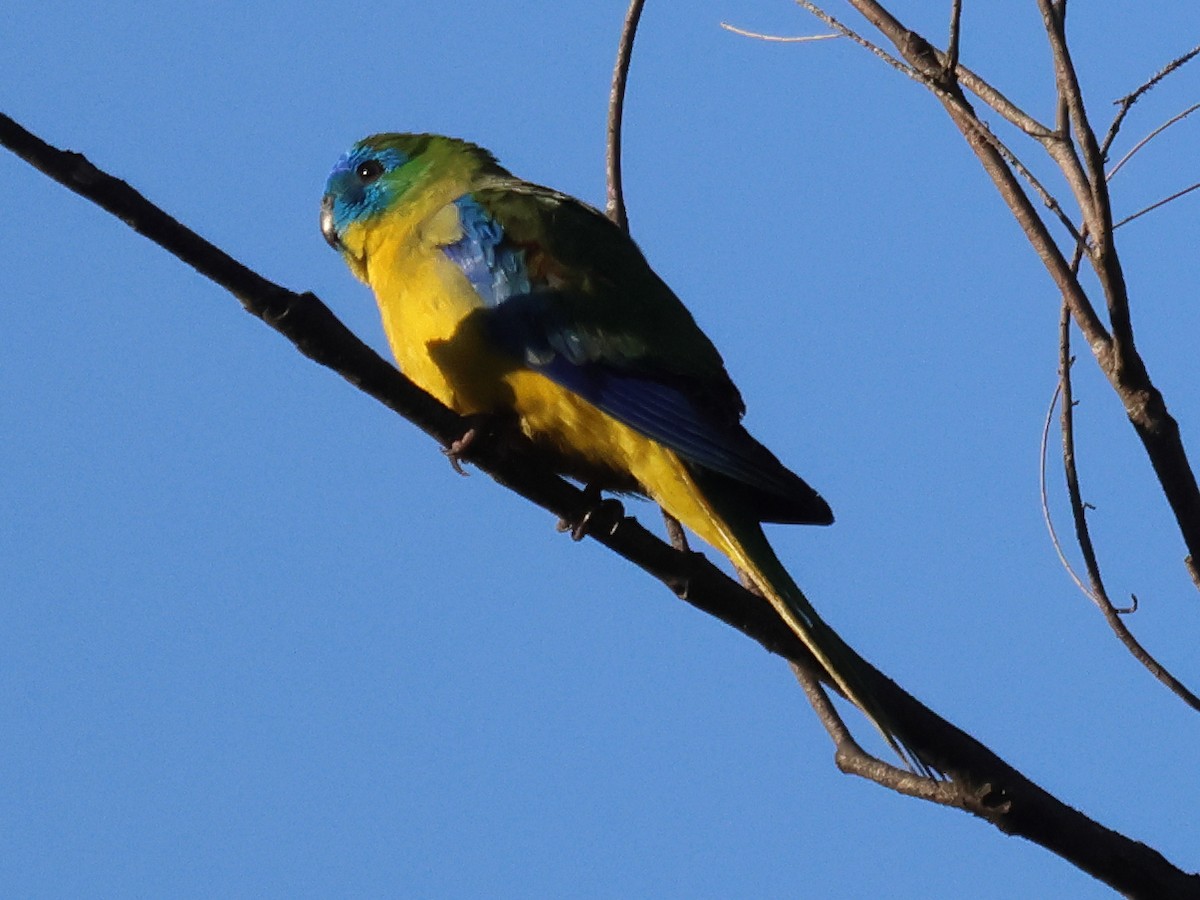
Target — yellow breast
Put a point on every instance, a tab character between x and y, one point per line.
432	317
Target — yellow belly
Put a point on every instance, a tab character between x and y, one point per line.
432	318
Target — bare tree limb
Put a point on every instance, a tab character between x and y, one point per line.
925	60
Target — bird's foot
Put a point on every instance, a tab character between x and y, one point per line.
597	515
481	428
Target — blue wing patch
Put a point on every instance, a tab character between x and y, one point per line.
532	322
667	414
495	268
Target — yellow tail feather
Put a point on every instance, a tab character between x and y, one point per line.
741	539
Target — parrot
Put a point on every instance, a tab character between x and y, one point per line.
506	299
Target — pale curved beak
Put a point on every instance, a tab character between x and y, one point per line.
328	228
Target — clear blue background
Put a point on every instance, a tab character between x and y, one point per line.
258	639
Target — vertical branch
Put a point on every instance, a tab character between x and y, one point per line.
955	33
1097	206
615	201
615	204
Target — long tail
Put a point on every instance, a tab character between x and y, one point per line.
740	537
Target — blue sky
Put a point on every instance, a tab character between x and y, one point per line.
260	640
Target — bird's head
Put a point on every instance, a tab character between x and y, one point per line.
389	172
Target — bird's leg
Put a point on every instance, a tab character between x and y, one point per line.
675	532
598	515
481	428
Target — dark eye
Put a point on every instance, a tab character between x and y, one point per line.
368	171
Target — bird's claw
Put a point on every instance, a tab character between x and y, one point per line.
601	515
458	449
480	428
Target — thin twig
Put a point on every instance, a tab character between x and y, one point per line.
1125	104
848	32
1154	206
955	34
615	206
853	760
777	38
1043	455
1148	138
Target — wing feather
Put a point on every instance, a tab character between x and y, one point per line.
571	296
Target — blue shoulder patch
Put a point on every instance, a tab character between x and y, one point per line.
495	268
532	322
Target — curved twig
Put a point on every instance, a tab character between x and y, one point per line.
1097	592
615	205
1044	492
776	38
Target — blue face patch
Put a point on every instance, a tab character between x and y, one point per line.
358	187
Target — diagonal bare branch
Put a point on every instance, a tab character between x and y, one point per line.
1126	103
